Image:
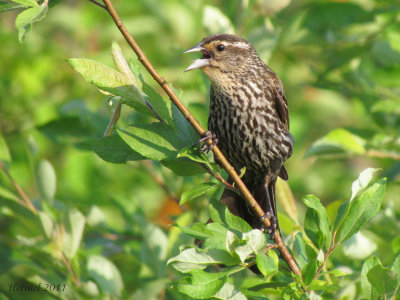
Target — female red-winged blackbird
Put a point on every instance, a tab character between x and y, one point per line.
248	118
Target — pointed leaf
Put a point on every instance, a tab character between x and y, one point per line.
317	224
361	210
197	191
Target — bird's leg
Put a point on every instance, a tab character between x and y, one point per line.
272	218
205	138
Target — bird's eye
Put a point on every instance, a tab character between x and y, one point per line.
220	48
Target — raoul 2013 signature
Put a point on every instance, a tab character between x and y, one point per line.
40	287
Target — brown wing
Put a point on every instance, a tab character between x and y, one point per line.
281	103
283	113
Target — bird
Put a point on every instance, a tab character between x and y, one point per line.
248	120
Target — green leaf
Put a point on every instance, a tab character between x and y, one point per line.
286	199
192	258
368	290
154	141
359	247
193	154
111	149
106	274
5	156
300	250
201	285
356	212
24	21
309	272
47	224
396	266
183	167
384	280
31	3
218	237
107	79
5	193
67	130
75	224
387	106
267	263
121	63
162	107
197	230
45	180
220	213
337	141
197	191
215	21
317	224
6	6
182	124
228	292
255	242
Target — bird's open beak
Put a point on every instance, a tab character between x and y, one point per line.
199	63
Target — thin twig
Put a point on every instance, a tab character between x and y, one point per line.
217	152
20	191
330	250
98	4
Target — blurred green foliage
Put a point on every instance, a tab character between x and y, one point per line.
103	229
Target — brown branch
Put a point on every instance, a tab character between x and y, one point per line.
20	191
217	153
329	252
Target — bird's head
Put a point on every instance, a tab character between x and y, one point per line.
224	55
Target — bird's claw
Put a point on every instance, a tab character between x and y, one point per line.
205	138
273	220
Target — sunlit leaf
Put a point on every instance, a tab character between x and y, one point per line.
24	21
75	223
106	275
228	292
201	284
154	141
267	263
215	21
338	141
45	180
197	191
